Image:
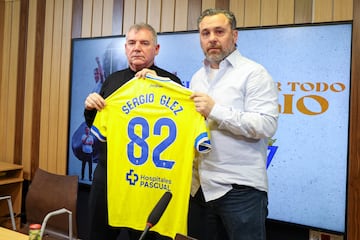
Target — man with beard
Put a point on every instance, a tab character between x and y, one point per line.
239	99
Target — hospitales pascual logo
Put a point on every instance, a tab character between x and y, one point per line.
271	151
148	181
132	177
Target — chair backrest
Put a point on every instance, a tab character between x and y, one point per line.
48	192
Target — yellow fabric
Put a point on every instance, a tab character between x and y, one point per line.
152	131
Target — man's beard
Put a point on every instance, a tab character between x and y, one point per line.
218	57
215	58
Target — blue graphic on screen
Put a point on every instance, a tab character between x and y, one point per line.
307	157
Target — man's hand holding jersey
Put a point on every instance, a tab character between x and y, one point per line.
94	101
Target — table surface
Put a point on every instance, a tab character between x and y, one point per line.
8	234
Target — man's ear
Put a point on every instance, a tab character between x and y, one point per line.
235	35
157	49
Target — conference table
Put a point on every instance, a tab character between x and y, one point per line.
8	234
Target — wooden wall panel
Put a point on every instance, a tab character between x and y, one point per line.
238	8
154	13
77	18
8	77
129	14
322	10
4	82
52	144
37	93
269	12
86	24
2	33
3	105
303	11
13	79
97	17
353	207
118	13
45	87
167	16
194	11
20	88
55	86
224	4
181	14
29	88
107	18
64	87
286	12
252	13
207	4
141	9
343	10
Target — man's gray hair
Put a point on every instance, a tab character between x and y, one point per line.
140	26
214	11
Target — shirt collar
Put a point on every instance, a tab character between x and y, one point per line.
152	67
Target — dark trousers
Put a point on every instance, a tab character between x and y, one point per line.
88	160
238	215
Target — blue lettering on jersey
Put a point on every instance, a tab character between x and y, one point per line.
137	101
140	141
173	105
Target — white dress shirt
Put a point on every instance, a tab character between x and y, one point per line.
243	118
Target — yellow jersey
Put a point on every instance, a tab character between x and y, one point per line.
152	132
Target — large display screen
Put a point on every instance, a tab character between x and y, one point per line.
307	161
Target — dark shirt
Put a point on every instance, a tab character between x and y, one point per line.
111	84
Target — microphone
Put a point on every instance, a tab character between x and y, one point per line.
156	213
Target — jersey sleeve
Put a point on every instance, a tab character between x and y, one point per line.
202	141
99	125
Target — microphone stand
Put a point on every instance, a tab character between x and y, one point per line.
142	237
